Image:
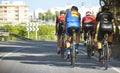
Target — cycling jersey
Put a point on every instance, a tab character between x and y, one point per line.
88	20
88	23
72	19
60	23
104	17
106	26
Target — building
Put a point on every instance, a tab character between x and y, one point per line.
14	12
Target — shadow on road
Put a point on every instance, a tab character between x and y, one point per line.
40	54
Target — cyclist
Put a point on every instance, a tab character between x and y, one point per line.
105	18
89	24
59	28
72	20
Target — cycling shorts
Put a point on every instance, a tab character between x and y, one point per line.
60	28
69	31
88	27
104	29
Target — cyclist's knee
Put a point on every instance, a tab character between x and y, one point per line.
99	44
67	43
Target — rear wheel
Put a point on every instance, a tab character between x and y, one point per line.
89	51
105	55
73	54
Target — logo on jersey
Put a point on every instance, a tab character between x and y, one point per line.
75	14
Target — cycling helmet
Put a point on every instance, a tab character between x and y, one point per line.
62	12
88	13
74	8
105	7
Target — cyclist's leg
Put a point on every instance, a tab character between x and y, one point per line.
99	43
67	43
77	41
85	36
110	39
93	41
59	41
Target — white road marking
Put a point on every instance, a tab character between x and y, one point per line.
114	68
10	53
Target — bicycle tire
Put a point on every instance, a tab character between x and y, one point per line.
89	51
73	55
89	47
63	47
105	56
62	52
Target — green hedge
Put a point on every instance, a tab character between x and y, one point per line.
45	32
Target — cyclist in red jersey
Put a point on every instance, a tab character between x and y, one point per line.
59	28
89	24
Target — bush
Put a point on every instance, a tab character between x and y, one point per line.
45	32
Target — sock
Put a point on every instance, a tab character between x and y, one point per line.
76	46
68	50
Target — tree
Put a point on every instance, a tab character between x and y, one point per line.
41	16
48	15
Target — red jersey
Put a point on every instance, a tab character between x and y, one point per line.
88	19
60	18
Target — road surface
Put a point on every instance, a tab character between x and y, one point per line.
41	57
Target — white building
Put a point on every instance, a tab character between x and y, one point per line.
16	12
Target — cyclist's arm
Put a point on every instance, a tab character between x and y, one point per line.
82	23
95	23
64	28
56	25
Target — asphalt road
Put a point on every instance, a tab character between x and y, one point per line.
41	57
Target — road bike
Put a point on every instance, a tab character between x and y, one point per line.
72	48
105	53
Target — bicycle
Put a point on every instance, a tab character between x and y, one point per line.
72	49
105	54
89	45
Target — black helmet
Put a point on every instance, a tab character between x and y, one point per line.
74	8
105	7
62	12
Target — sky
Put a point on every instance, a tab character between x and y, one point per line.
47	4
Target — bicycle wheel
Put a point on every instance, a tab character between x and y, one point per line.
63	48
89	47
89	51
105	56
73	53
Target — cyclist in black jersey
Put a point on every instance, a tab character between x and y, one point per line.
105	19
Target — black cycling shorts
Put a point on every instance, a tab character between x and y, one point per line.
70	31
88	27
107	29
